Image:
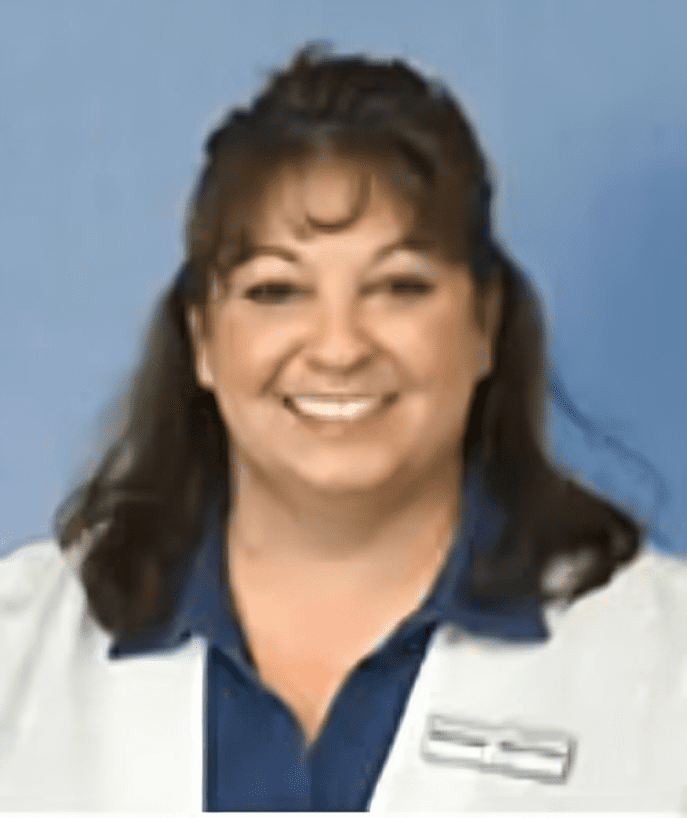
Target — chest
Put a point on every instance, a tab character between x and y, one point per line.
306	658
306	683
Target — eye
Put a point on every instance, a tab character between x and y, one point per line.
406	286
278	292
274	292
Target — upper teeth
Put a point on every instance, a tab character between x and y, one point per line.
335	408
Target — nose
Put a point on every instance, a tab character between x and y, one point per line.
338	342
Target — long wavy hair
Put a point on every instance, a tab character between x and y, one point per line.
142	509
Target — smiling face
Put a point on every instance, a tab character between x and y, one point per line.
367	312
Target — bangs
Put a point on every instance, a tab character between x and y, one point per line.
227	213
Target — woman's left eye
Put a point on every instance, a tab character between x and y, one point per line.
408	286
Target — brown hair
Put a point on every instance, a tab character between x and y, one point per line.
144	505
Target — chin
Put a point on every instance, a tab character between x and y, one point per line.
349	479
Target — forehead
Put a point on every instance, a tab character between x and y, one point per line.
328	194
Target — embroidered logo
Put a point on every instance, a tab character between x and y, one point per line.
543	755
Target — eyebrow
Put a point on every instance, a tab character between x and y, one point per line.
411	242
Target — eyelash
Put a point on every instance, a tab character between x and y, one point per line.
266	293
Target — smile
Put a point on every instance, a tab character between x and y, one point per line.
336	407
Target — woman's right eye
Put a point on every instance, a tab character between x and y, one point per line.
273	293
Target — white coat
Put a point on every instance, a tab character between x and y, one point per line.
595	718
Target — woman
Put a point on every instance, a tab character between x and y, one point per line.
319	567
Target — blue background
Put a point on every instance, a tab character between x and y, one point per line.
581	106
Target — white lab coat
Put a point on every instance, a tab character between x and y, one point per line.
593	719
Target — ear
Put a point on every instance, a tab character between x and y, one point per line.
199	345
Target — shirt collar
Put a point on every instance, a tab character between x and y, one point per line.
203	604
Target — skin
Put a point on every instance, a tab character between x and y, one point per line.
339	529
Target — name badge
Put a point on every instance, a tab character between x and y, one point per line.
543	755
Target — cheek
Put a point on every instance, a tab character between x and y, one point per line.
439	350
459	357
247	351
448	364
458	342
222	355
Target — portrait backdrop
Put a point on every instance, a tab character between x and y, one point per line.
581	107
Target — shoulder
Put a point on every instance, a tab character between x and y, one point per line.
646	597
37	583
28	568
654	579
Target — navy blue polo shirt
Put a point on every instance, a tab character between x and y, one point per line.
256	755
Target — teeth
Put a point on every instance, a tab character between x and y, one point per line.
335	408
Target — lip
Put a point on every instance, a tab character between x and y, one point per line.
341	396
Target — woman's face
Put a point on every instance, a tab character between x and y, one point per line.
346	361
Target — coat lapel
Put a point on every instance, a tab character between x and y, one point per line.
586	720
79	731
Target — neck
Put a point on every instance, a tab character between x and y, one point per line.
346	547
